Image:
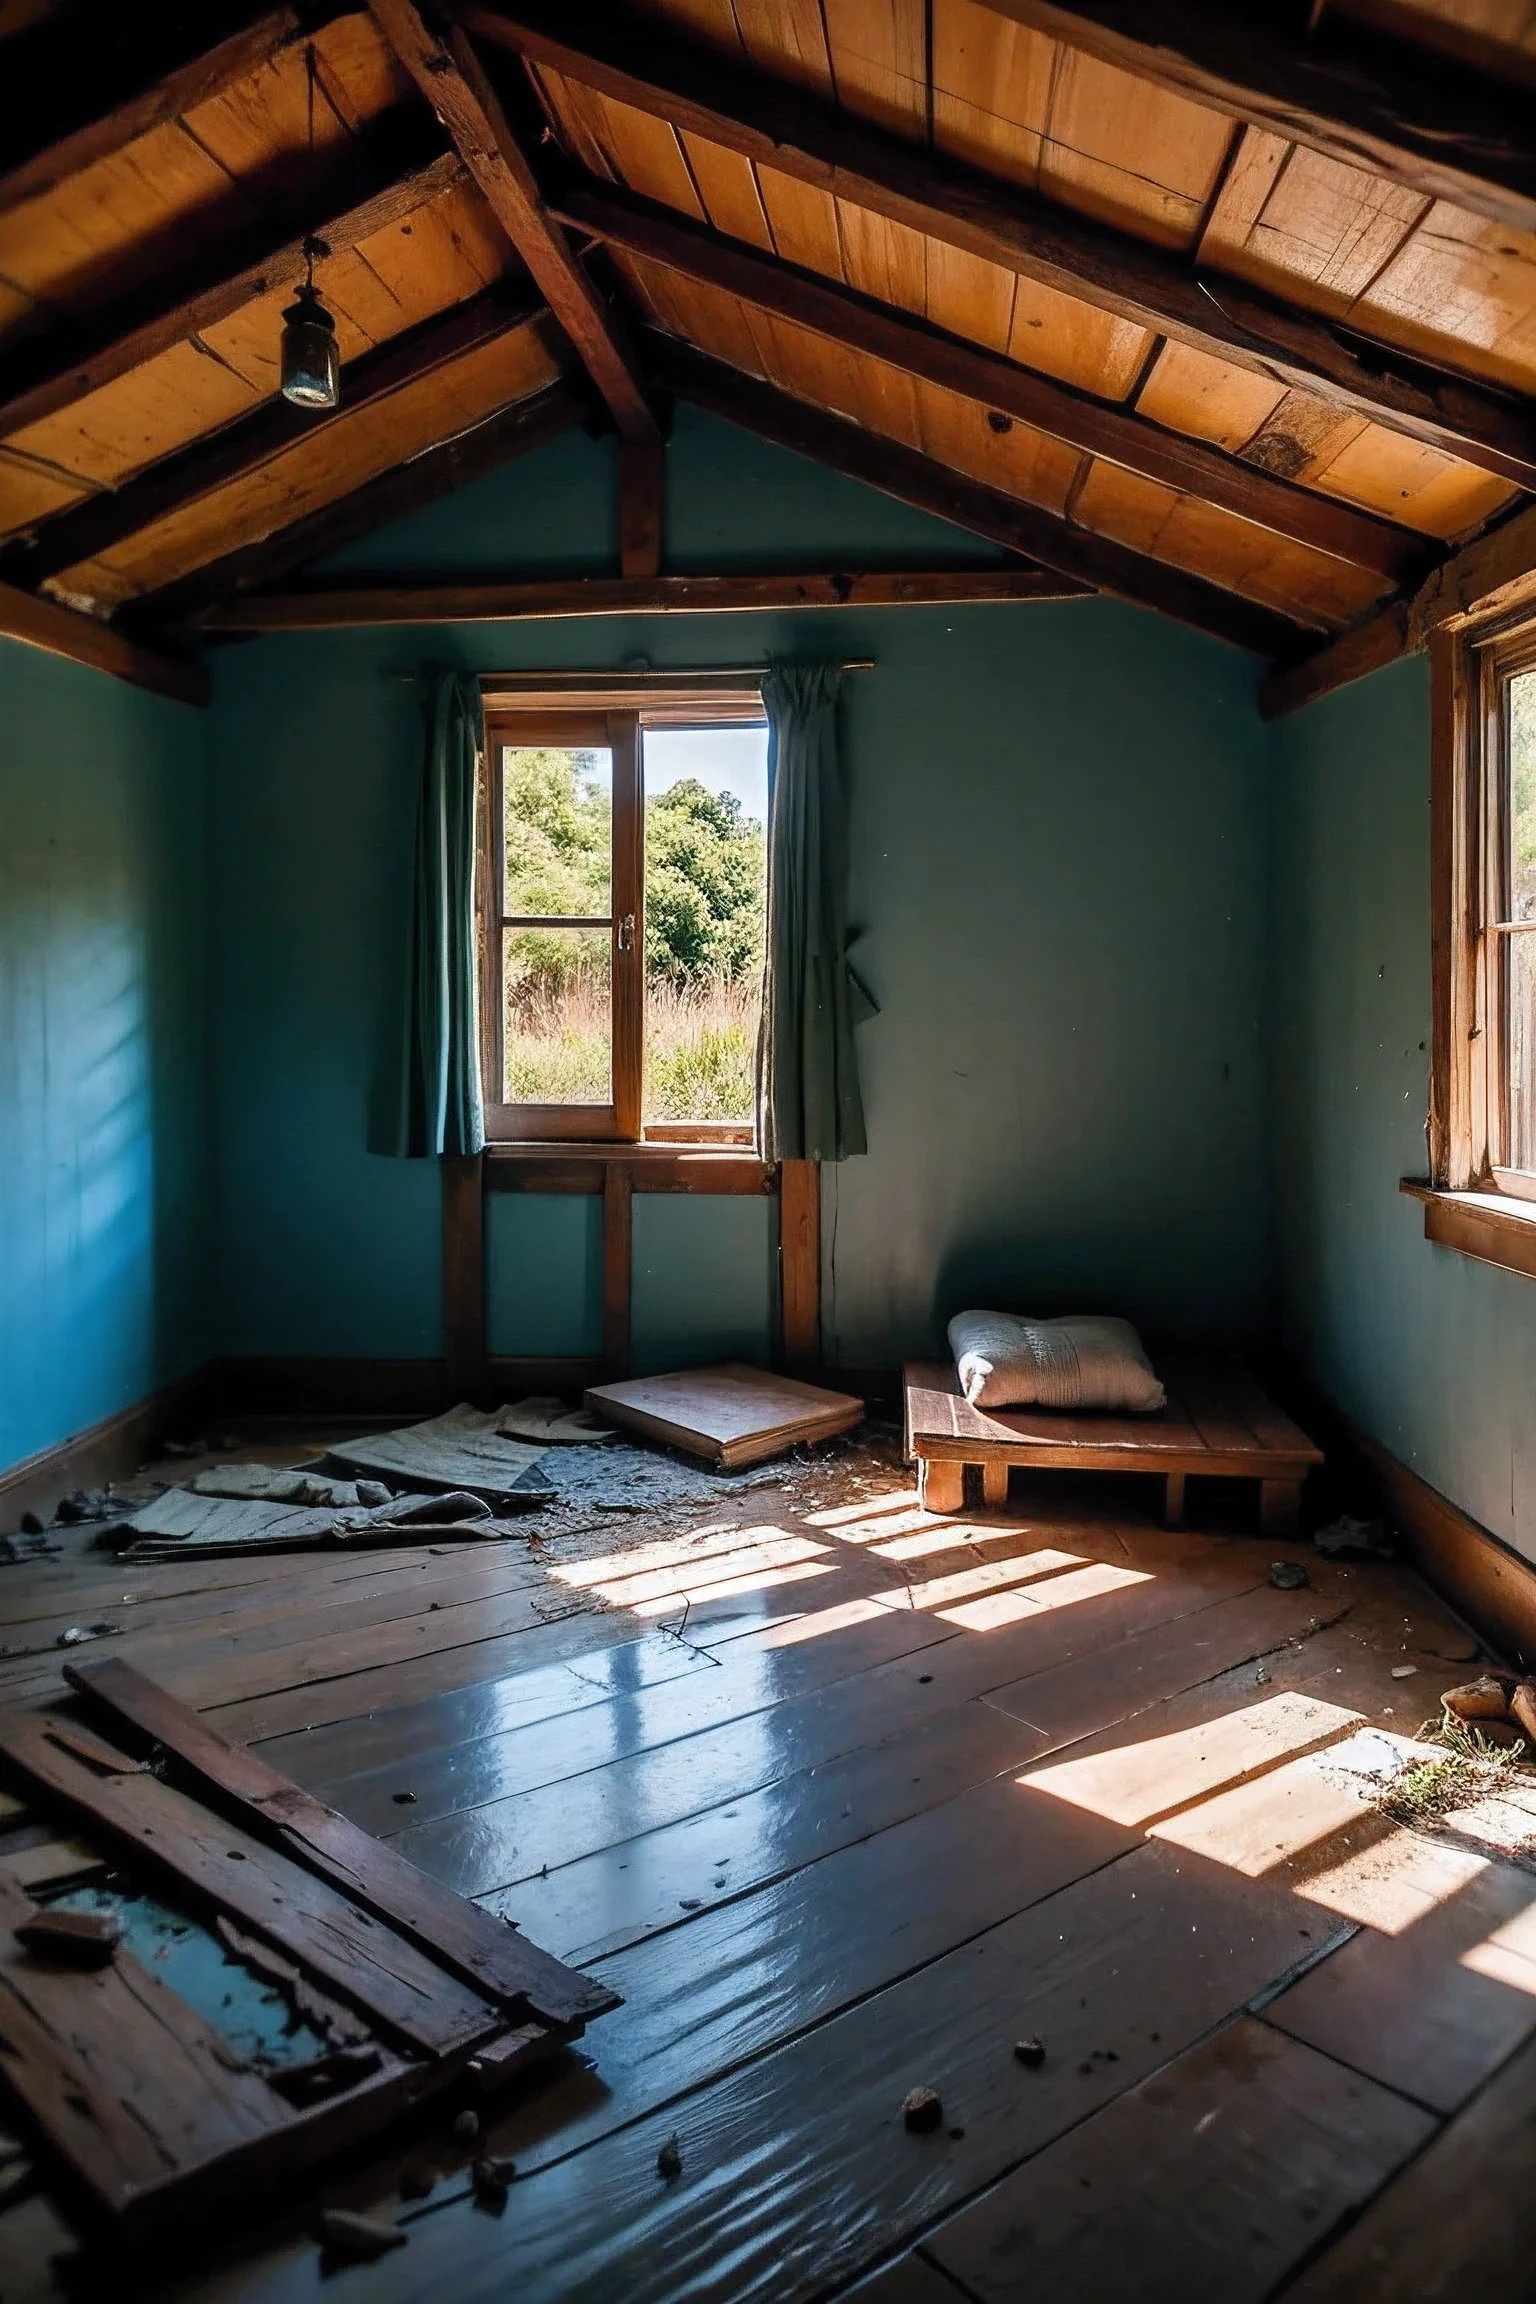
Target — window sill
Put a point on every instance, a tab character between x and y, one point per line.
1494	1227
724	1169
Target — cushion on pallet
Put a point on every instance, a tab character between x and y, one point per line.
1080	1361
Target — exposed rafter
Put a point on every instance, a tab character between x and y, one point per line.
510	432
60	632
932	487
883	333
795	133
1425	120
219	458
62	105
453	81
38	382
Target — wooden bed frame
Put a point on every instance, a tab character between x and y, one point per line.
1218	1424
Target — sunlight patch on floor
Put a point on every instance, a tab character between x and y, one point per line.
730	1587
1155	1776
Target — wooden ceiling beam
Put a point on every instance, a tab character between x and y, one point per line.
37	383
453	80
63	105
785	128
213	462
1493	576
883	332
1413	115
929	486
61	632
473	601
498	439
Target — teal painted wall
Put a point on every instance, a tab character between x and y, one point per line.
1059	823
105	1115
1431	1352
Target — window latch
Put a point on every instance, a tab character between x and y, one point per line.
627	933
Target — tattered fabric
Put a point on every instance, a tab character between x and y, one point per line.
808	1075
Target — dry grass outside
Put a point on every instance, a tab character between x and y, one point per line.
1467	1769
700	1046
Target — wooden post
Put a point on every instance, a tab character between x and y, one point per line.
800	1262
463	1272
994	1481
940	1484
1173	1500
618	1262
1279	1507
642	490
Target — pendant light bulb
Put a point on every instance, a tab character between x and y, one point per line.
311	357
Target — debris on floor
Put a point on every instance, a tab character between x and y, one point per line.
465	1448
628	1478
1288	1575
186	1525
74	1939
1349	1539
362	2238
731	1415
922	2110
280	1484
1030	2052
669	2160
551	1423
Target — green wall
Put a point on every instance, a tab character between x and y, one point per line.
1431	1352
105	1117
1058	839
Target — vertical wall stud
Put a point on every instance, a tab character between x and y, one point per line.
800	1262
464	1273
642	482
618	1260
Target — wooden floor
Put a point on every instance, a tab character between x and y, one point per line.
846	1799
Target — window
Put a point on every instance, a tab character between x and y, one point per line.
623	906
1483	1124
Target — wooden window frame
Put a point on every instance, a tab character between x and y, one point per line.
613	712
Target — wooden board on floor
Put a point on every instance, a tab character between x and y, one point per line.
1215	2178
731	1416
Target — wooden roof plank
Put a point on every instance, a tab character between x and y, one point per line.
211	463
61	632
1352	91
1493	575
509	432
183	80
158	319
932	487
919	349
802	139
453	81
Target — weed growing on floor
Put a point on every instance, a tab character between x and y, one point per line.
1466	1768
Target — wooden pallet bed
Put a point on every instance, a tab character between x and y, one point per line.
1218	1424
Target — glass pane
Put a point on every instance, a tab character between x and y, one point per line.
1520	991
559	1015
558	803
706	865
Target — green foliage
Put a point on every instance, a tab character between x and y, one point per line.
559	835
704	868
1522	774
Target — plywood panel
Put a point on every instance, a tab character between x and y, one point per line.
1191	392
259	128
580	123
1216	544
701	315
1408	480
1130	153
880	60
329	464
969	296
788	38
991	88
437	256
1256	162
803	222
1324	224
1074	342
645	152
118	221
141	416
1024	463
1467	286
883	259
28	493
727	186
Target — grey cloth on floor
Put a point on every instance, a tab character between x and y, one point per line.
180	1525
287	1484
462	1449
551	1423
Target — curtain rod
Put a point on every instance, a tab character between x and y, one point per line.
668	677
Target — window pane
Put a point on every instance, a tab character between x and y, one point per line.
559	830
1522	795
1520	992
559	1015
706	858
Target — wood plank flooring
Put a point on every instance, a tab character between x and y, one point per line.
844	1798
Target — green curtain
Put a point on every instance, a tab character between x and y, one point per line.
439	1107
808	1075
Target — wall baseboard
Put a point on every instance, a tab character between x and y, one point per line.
1488	1583
112	1449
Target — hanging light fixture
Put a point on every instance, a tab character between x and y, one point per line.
311	357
